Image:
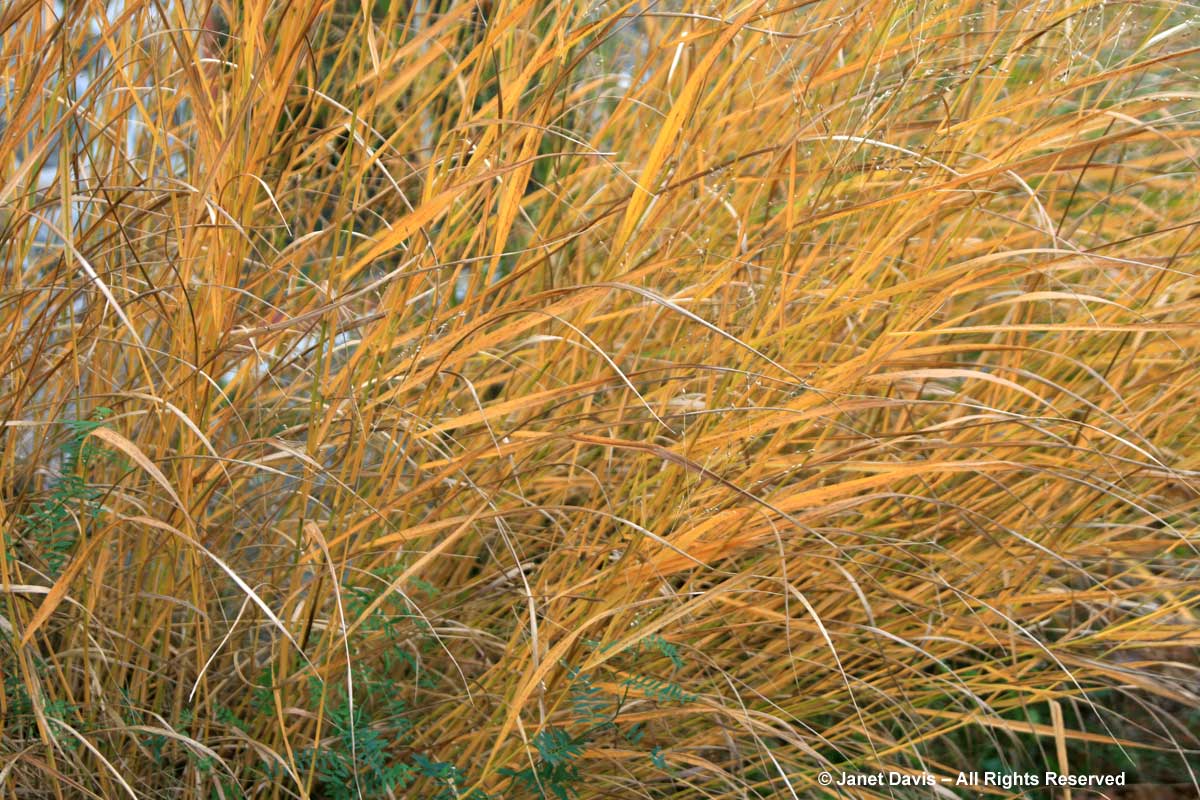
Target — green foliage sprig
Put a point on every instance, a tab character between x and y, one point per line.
51	528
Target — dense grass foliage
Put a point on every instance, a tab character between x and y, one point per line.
521	399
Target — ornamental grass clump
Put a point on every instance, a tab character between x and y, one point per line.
596	400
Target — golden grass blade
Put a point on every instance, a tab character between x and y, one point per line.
596	400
